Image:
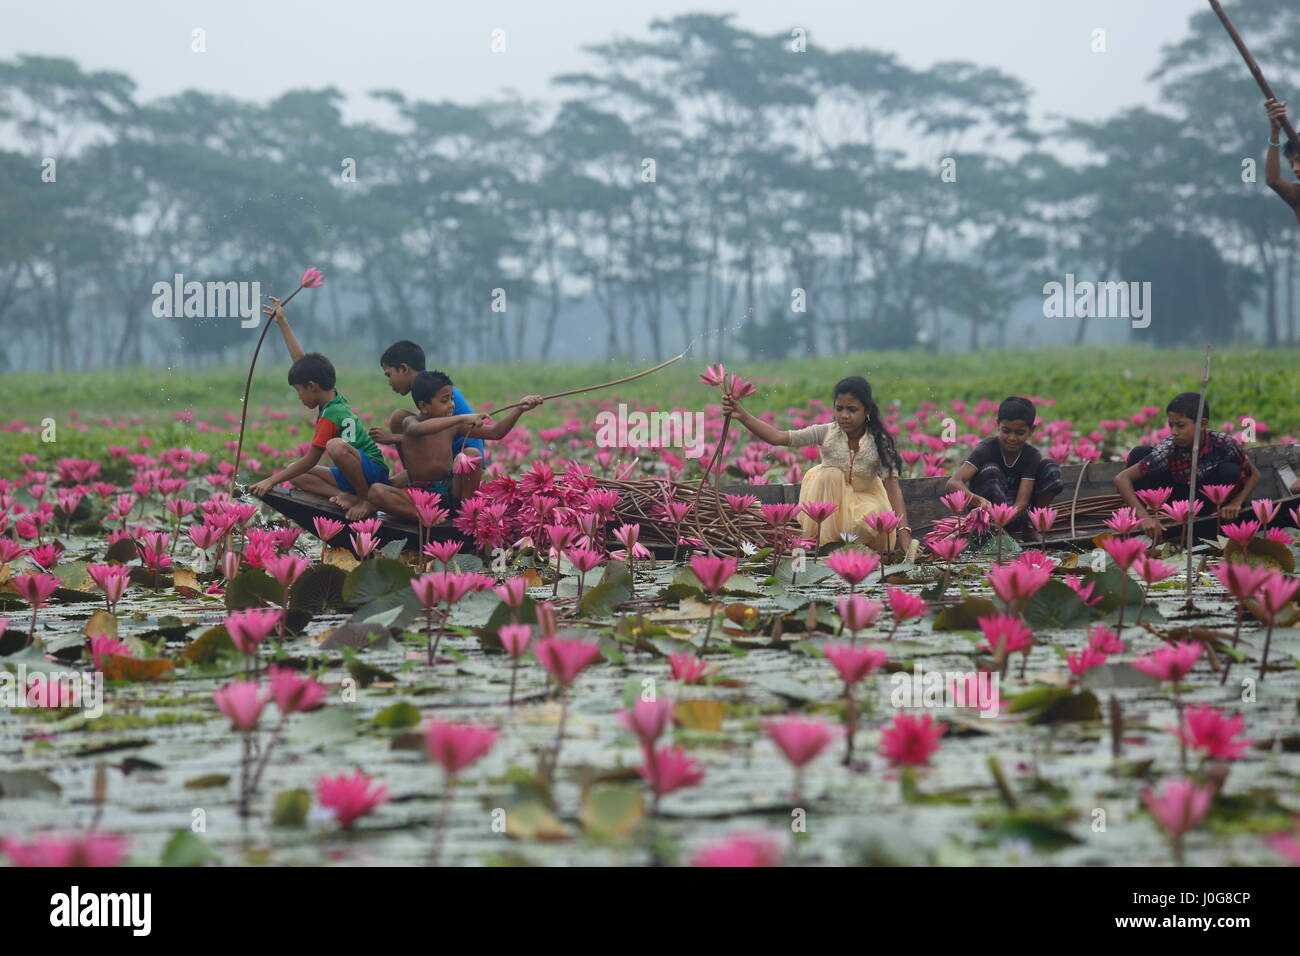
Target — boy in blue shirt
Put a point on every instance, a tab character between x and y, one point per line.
401	362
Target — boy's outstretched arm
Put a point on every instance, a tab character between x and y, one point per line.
959	481
276	310
431	426
300	467
1232	507
501	429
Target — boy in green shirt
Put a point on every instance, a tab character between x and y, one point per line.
358	463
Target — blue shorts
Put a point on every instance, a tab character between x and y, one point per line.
376	474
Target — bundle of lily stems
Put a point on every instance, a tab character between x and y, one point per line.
710	519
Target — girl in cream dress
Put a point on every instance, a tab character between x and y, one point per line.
858	471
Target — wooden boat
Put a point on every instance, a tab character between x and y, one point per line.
1089	507
1088	499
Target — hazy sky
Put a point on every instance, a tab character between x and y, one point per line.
434	50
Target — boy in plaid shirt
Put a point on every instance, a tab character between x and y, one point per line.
1221	461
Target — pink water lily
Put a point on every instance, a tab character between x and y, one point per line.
311	278
351	796
853	566
293	692
854	663
1177	808
1214	733
1042	519
104	645
743	850
1242	531
648	719
858	613
911	741
241	702
250	627
686	667
79	850
455	746
112	580
1171	662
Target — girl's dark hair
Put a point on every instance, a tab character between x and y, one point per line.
1185	404
860	388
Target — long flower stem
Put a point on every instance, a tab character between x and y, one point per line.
266	755
440	836
713	612
1268	640
1236	635
559	736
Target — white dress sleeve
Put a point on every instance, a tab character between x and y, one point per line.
812	435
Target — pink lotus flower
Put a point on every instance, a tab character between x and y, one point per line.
463	464
904	605
1153	571
1123	521
286	568
326	528
1266	510
437	587
242	702
1242	580
350	797
740	388
1276	592
1218	494
1080	661
854	663
81	849
858	613
111	579
364	543
565	660
1242	531
948	548
1179	806
741	503
1170	663
1042	519
1075	584
852	566
713	375
800	740
911	741
312	278
1212	732
293	693
1154	498
443	551
757	849
250	627
1177	510
1004	635
546	623
957	501
819	511
670	768
1105	641
512	591
455	746
882	522
515	638
1002	514
1017	581
36	589
648	719
102	645
10	550
1125	551
687	668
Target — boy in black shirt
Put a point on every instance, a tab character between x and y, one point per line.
1006	469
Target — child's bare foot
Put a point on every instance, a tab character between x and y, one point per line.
361	510
344	499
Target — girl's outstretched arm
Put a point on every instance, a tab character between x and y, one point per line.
757	427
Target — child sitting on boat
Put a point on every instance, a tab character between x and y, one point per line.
401	362
1005	469
858	471
358	465
426	441
1221	461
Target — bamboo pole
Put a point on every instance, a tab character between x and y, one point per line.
592	388
1255	71
1191	488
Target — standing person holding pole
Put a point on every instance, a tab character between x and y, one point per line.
1289	191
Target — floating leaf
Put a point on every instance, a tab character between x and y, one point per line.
100	622
290	808
134	669
318	589
964	616
397	716
26	783
187	848
611	812
253	588
375	579
699	714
